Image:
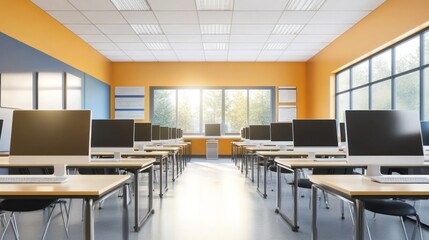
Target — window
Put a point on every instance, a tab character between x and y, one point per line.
17	90
395	78
74	92
50	90
234	108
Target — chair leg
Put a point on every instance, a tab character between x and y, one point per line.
369	233
49	222
419	226
65	219
403	227
342	209
325	197
11	221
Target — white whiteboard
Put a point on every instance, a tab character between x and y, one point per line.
287	95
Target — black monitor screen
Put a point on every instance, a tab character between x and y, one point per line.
246	132
1	126
179	133
342	132
315	133
164	133
425	132
212	130
259	132
281	131
50	133
156	132
112	133
383	133
242	133
143	132
174	133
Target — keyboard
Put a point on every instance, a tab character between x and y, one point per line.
400	179
30	179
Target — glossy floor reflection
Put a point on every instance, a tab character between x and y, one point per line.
212	200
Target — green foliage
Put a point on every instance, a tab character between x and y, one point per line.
164	108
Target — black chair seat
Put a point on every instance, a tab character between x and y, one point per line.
304	183
25	205
390	207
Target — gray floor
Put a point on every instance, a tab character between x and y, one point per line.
213	200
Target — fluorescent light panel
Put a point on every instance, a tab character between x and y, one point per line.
275	46
131	5
147	29
158	46
287	29
215	28
214	4
215	46
304	5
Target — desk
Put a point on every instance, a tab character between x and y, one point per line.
182	152
356	188
237	150
134	166
266	155
88	187
172	152
293	166
250	154
160	157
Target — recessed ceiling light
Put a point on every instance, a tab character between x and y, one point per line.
147	29
275	46
158	46
215	28
215	46
131	5
214	4
287	29
304	5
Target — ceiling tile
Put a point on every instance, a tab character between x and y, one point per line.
69	17
192	53
136	17
248	38
192	59
266	59
153	38
306	46
338	17
144	58
243	53
215	38
97	5
281	38
181	29
105	17
265	5
112	52
210	17
95	38
181	5
348	5
184	38
177	17
132	53
187	46
325	29
256	17
315	38
131	46
83	29
216	59
53	4
163	53
246	46
241	59
116	29
294	59
105	46
216	53
128	38
296	17
270	53
251	29
288	53
167	59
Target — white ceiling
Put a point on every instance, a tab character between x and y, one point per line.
250	24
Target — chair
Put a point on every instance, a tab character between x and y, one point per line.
394	208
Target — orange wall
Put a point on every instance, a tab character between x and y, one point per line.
24	21
387	24
224	146
210	74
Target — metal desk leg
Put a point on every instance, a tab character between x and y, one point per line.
265	176
359	233
279	194
125	233
314	212
161	180
176	159
172	165
252	157
89	219
137	221
292	222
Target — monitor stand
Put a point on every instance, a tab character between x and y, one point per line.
373	170
117	156
60	170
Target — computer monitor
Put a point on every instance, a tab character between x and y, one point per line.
115	136
164	134
315	135
281	134
174	133
342	132
51	137
246	132
383	137
156	132
212	130
425	134
180	133
259	133
142	135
